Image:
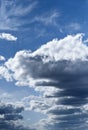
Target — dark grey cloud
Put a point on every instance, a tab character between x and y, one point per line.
8	109
11	118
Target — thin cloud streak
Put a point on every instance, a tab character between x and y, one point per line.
49	18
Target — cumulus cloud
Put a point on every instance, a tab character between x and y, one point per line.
59	71
8	37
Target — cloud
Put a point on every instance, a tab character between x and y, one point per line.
71	27
59	71
11	118
13	12
74	26
2	58
49	18
21	11
8	37
4	72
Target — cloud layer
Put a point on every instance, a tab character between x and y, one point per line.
59	71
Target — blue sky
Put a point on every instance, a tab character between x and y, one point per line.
44	64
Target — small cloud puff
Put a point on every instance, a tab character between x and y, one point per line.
8	37
2	58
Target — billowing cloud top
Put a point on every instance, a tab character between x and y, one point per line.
69	48
8	37
58	70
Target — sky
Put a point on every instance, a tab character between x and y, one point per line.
43	64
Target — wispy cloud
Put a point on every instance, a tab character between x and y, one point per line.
21	11
74	26
10	13
8	37
49	18
71	27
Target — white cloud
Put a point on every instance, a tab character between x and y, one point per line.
4	72
59	71
8	37
68	48
2	58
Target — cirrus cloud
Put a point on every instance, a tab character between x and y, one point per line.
12	11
